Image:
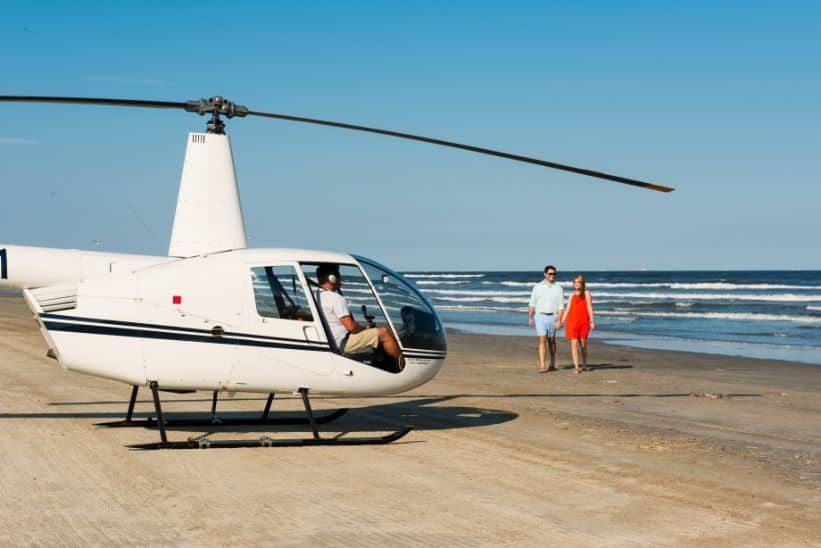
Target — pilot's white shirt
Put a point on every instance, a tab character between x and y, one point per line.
334	306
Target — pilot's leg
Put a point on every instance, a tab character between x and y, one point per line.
388	344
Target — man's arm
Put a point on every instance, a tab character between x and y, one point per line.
350	324
339	308
561	316
531	307
560	309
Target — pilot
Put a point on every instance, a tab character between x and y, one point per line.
350	336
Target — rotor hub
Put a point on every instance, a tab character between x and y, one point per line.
217	106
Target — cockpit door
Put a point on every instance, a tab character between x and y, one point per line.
283	323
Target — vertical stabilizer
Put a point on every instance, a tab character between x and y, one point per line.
209	215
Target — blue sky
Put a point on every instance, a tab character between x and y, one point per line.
721	100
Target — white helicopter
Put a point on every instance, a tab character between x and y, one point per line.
214	315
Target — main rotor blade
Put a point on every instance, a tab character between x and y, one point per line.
90	101
480	150
217	105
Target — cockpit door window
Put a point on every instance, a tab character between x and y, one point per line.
279	293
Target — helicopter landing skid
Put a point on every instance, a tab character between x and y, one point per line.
202	442
265	441
151	422
214	420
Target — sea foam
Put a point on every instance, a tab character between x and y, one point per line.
783	297
444	275
737	316
668	285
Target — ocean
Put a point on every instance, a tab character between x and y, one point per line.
759	314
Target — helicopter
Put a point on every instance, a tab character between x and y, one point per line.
214	315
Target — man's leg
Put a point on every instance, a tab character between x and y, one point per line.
542	344
551	341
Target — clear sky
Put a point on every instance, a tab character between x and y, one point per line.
721	100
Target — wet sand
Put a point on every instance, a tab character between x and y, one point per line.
650	447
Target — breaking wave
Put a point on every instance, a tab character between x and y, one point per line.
668	285
480	299
785	297
480	308
737	316
444	275
478	293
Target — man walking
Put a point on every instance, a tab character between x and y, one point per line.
545	311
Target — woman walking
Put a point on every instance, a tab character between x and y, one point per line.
579	321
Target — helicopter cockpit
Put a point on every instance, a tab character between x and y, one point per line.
379	297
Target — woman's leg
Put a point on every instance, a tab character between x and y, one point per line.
583	343
574	349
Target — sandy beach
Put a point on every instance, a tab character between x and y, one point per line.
649	448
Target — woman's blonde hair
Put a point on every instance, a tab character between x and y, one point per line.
583	288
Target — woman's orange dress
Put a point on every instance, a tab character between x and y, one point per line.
577	323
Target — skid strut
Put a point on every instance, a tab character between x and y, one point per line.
158	410
202	442
131	403
263	420
267	406
214	419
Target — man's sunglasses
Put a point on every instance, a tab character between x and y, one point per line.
551	273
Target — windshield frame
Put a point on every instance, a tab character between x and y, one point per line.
360	259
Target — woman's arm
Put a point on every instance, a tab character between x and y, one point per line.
567	310
589	299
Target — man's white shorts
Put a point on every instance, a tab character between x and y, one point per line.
545	324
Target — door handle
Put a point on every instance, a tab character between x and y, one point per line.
310	333
217	331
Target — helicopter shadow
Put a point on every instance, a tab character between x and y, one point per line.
419	414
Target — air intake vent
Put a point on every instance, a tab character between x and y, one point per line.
55	298
198	138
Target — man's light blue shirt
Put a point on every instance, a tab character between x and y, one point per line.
547	298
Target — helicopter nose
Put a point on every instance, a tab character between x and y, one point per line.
418	369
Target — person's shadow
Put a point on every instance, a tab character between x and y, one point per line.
601	367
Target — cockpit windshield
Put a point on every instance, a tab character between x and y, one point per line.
396	303
416	324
